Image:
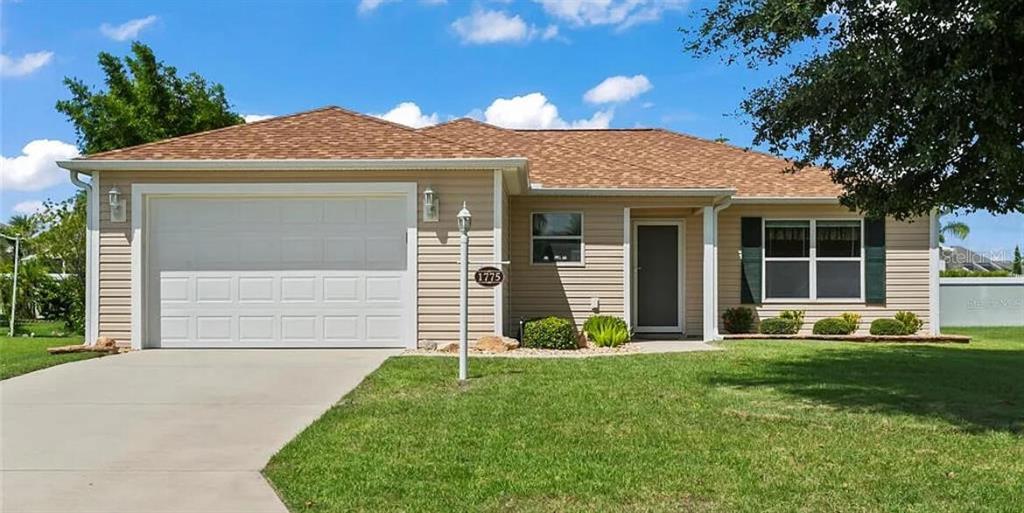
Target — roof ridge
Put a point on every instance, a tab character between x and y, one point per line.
640	129
723	143
205	132
418	131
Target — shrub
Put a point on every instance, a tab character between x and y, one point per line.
738	320
911	321
606	330
833	326
780	326
602	321
796	315
853	319
550	333
888	327
964	273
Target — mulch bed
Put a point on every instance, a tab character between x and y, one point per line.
904	339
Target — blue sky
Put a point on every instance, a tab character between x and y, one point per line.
513	62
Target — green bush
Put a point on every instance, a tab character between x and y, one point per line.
780	326
550	333
911	321
833	326
796	315
738	320
888	327
606	330
964	273
853	319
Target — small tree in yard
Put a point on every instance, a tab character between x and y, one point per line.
1018	263
63	239
145	101
910	106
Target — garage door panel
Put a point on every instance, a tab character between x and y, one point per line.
314	272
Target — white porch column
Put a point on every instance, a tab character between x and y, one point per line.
710	281
627	270
934	257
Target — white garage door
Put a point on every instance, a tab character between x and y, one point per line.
279	272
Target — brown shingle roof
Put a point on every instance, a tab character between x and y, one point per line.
326	133
678	160
615	158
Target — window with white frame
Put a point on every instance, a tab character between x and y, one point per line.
813	259
557	238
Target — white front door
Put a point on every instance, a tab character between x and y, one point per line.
328	271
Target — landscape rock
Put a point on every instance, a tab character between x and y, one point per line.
105	343
495	344
447	347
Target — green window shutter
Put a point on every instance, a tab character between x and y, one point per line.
750	260
874	263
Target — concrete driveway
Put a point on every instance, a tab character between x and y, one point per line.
163	430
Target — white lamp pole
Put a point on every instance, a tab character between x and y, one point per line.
465	220
14	282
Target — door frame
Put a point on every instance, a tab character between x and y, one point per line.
141	193
680	326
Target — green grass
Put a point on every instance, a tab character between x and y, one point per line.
765	426
23	353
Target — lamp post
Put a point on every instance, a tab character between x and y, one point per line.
465	220
14	281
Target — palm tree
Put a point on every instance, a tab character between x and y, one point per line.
958	229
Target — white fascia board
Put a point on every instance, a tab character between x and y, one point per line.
1009	280
86	165
783	200
618	191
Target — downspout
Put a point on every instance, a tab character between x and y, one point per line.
90	222
718	208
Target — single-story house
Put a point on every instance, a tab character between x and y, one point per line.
331	228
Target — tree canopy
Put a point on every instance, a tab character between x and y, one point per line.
909	104
145	101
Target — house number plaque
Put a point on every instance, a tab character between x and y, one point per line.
489	276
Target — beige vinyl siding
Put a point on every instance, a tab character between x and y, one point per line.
541	290
907	266
438	294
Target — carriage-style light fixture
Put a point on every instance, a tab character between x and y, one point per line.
117	206
465	219
431	206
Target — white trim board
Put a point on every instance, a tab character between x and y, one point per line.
680	326
142	192
499	257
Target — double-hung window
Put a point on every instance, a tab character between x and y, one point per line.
557	238
813	259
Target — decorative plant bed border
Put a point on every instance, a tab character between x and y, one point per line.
905	339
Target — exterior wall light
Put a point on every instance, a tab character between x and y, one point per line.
118	206
465	220
431	206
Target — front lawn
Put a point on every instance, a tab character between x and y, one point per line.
764	426
21	354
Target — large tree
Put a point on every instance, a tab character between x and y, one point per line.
910	104
145	101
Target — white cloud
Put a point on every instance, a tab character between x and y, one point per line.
28	208
25	65
621	13
618	89
366	6
36	167
409	114
535	111
252	118
127	30
483	27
